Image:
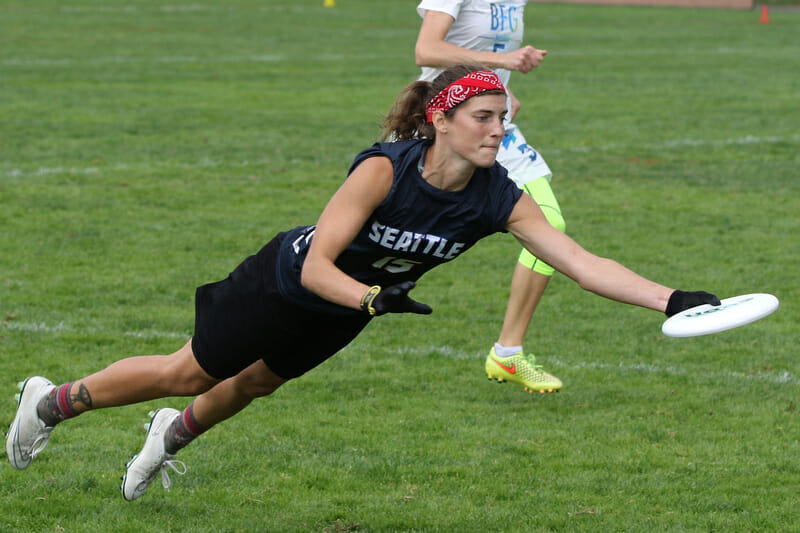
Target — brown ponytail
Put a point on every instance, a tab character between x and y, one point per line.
406	120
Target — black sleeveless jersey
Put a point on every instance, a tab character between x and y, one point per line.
416	227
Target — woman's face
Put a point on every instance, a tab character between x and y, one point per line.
476	130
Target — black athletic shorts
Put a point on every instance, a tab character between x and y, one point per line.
244	318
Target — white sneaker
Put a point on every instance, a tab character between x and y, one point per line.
28	435
144	466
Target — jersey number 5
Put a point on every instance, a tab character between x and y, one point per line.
395	265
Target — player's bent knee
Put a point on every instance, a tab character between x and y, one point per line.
187	382
258	380
198	384
555	218
184	376
531	262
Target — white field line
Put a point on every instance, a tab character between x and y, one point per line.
448	352
122	167
210	163
130	60
778	378
172	8
41	327
132	8
782	378
133	60
679	143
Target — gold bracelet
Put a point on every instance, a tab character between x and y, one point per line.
368	298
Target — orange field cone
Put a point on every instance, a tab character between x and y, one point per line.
329	3
764	15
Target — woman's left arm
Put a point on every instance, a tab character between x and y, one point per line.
596	274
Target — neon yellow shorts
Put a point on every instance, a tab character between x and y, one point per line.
539	189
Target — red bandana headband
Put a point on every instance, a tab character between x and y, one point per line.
470	85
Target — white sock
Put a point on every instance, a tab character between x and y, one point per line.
505	351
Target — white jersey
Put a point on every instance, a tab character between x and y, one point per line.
480	25
487	26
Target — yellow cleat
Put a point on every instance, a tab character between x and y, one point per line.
522	369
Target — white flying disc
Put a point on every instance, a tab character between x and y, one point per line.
706	319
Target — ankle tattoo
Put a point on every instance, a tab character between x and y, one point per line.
62	404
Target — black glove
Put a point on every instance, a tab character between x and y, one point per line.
392	299
680	301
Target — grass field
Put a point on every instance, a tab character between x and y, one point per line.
147	148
